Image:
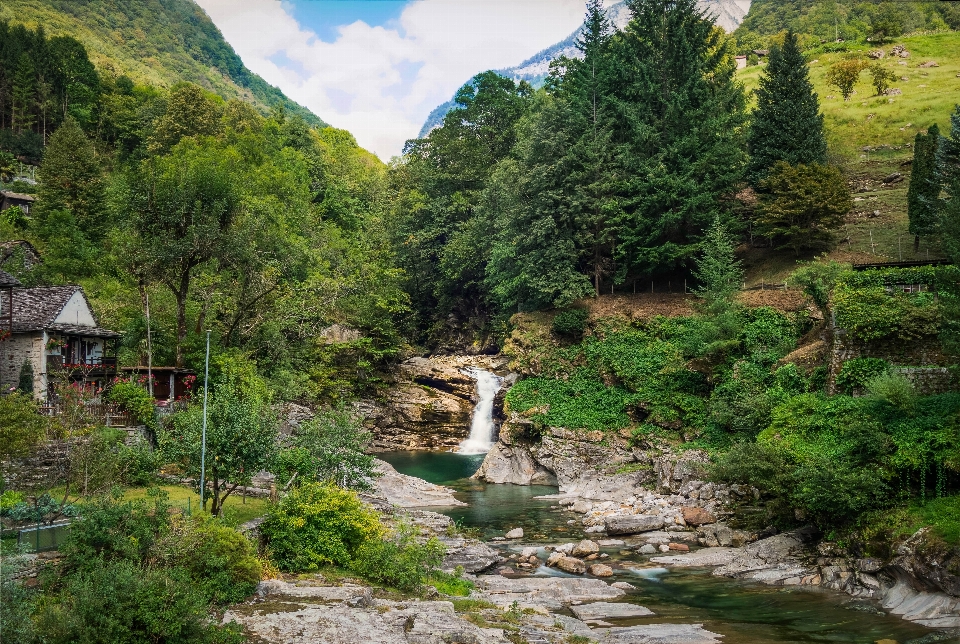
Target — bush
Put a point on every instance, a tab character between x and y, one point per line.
8	500
856	373
138	464
452	584
23	426
120	603
136	400
316	525
400	560
893	388
571	323
220	560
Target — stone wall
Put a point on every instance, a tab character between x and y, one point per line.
922	361
42	469
13	351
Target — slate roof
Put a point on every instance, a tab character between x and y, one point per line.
35	309
7	280
18	196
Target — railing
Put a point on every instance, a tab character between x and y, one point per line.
43	538
106	414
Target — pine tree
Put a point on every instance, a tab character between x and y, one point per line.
924	190
787	124
679	114
718	270
25	382
71	178
948	178
24	94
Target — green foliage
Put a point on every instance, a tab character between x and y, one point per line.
71	179
856	373
582	401
316	525
25	381
924	190
718	271
240	439
334	441
787	124
881	77
570	323
138	464
893	388
400	560
136	400
23	426
801	205
220	560
8	499
845	74
818	279
119	602
871	312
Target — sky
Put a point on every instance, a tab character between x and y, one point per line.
378	67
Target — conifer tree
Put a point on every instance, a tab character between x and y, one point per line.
948	178
924	190
787	124
717	269
71	178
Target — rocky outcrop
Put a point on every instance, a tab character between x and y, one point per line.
408	491
429	405
507	464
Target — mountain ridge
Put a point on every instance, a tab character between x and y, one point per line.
158	42
728	14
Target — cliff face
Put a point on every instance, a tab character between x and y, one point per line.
429	406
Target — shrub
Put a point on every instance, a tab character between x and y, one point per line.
571	323
23	426
8	500
856	373
399	560
138	464
120	603
893	388
452	584
136	400
316	525
220	560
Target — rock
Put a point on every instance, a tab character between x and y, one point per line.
549	592
565	548
554	558
472	557
600	570
697	516
513	464
877	54
700	558
582	506
664	548
900	50
571	565
660	634
928	64
409	491
895	177
634	524
680	547
894	91
611	543
647	550
516	533
586	548
526	553
870	564
609	610
622	585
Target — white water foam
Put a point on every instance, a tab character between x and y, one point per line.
481	427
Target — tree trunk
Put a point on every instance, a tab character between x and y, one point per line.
916	244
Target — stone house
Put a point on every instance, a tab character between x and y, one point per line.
54	329
10	199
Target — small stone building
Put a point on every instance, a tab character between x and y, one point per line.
10	199
54	329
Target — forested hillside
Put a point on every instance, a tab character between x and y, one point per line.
152	42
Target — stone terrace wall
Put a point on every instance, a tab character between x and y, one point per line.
44	468
922	361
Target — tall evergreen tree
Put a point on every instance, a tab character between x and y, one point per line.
71	178
924	190
948	178
680	116
787	124
718	270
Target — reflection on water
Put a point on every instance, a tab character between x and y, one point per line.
743	612
492	509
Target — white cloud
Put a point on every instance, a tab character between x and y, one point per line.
381	82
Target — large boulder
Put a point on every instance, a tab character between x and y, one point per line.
513	464
572	565
697	516
586	548
472	557
409	491
633	524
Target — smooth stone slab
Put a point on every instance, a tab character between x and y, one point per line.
700	558
550	592
609	610
659	634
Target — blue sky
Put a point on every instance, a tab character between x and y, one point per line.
324	17
378	67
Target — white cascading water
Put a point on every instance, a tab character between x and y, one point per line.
481	427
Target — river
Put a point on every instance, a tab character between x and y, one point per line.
744	612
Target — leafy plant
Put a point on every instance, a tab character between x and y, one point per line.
845	74
881	78
570	323
856	373
136	400
399	560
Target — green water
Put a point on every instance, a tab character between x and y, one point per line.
743	612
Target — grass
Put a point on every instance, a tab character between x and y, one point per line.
452	585
871	137
235	510
891	526
468	605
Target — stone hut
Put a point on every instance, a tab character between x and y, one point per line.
54	329
10	199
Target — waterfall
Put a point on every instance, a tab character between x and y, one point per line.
481	427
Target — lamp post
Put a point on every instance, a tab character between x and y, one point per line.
203	435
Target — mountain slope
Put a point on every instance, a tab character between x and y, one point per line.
727	14
160	42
